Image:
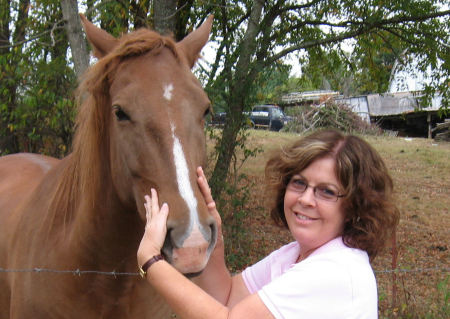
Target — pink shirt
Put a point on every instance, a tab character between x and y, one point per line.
335	281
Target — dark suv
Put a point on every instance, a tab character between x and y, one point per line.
268	116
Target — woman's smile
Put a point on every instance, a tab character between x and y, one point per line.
304	218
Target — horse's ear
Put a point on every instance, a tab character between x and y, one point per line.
101	41
192	44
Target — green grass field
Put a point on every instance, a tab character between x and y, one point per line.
421	172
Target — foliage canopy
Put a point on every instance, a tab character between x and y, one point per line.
351	46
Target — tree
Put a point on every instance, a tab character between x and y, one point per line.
375	58
164	18
255	34
36	81
253	37
74	31
328	70
11	73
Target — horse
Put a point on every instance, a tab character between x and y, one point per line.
140	125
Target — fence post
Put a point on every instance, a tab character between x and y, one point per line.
394	269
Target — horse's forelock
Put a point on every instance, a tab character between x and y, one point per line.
141	42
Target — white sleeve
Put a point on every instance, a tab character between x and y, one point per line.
263	272
258	275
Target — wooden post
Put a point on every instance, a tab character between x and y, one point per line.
394	269
429	124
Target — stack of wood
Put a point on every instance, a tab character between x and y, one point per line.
442	131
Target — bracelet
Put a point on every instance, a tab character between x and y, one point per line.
143	269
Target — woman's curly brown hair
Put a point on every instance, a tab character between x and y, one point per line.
371	215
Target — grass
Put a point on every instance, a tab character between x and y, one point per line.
420	169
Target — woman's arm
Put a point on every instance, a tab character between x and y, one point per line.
185	298
215	278
191	302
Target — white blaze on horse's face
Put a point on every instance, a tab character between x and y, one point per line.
168	92
195	240
182	171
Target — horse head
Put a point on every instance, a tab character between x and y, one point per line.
151	110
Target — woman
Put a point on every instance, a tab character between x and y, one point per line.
333	193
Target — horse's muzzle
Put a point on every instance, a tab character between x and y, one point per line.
189	252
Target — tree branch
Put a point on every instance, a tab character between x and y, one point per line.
401	19
364	28
299	7
37	36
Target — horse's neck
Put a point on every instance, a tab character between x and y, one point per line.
96	225
109	231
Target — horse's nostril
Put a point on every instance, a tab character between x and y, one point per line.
213	227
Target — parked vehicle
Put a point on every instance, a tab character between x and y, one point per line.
268	116
261	116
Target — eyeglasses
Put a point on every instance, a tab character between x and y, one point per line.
323	192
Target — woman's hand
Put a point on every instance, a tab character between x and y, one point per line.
155	228
206	192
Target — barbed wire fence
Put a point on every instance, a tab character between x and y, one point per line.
78	272
395	275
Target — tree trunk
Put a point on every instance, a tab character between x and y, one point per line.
238	92
5	33
164	16
8	97
74	31
5	141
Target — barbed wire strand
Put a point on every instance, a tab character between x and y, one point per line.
415	270
79	272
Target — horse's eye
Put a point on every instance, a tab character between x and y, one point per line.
207	111
120	114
